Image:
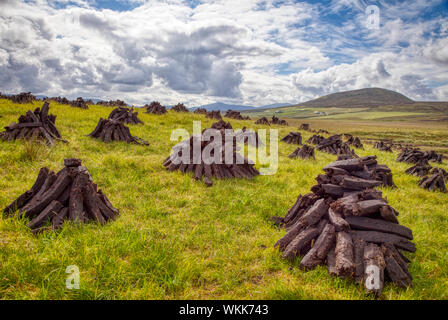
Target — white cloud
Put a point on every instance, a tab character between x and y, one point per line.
240	51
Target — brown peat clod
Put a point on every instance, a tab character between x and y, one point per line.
206	158
79	103
180	107
276	120
262	120
235	115
54	198
214	115
348	226
155	108
111	130
416	156
383	146
37	125
305	152
24	97
293	138
125	115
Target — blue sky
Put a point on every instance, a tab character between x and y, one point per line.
237	51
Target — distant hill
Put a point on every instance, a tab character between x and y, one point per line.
368	97
220	106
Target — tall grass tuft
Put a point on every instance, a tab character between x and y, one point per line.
33	150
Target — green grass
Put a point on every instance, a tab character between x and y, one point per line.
176	238
418	111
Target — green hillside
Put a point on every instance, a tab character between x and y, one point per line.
363	104
178	239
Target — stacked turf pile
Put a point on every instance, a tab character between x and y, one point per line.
214	115
37	125
200	111
305	127
193	161
416	156
276	120
315	139
322	131
434	180
332	145
249	137
419	170
348	226
125	115
112	103
305	152
108	130
69	194
235	115
180	108
293	138
354	141
60	100
383	146
24	97
263	120
79	103
155	107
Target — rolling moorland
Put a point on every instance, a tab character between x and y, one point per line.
178	239
372	114
365	104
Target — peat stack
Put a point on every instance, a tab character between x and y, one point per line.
419	170
235	115
416	156
383	146
155	107
354	141
112	103
435	180
214	115
334	145
180	107
108	130
200	111
79	103
276	120
315	139
348	226
263	120
37	125
249	137
69	194
322	131
293	138
24	97
305	152
60	100
125	115
305	126
186	158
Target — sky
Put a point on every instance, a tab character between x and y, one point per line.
248	52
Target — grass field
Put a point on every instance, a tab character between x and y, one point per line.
178	239
418	111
